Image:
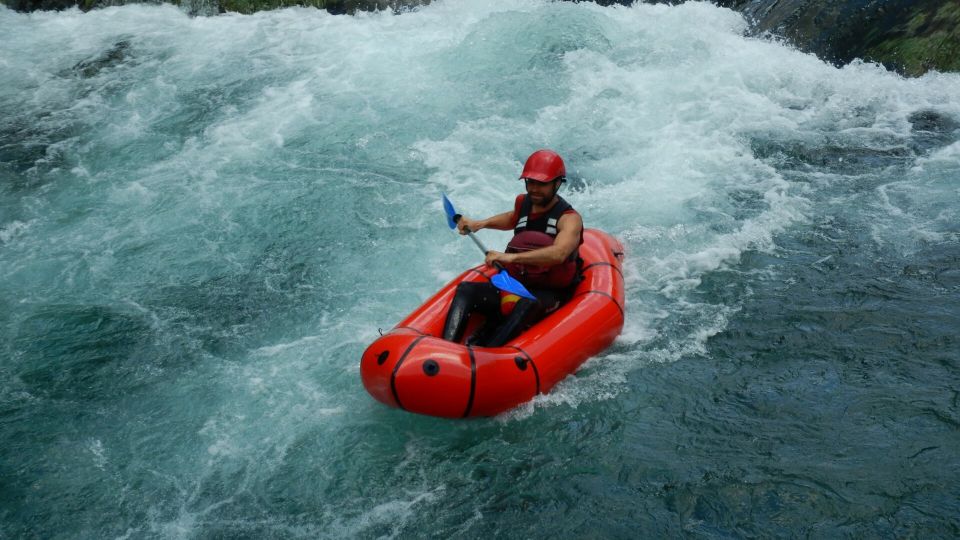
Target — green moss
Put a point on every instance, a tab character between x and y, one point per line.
916	23
948	13
916	56
929	40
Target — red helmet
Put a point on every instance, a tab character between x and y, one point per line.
543	166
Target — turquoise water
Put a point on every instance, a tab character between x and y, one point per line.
204	221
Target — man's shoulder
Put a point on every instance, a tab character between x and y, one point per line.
567	207
570	219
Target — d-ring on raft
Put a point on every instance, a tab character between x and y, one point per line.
412	368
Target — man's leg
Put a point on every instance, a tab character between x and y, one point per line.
525	313
470	297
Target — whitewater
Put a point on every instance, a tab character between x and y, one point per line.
205	220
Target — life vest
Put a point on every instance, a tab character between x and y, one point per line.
530	234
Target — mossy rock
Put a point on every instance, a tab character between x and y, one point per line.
910	36
929	40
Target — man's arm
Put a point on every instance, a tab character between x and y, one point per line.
501	222
569	228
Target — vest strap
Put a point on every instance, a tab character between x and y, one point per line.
546	222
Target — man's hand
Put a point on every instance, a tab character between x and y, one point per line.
466	225
499	257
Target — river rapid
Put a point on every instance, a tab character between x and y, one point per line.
204	221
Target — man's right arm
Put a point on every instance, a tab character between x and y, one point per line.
501	222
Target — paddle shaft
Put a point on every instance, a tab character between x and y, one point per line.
483	248
502	280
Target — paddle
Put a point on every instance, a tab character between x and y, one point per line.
502	279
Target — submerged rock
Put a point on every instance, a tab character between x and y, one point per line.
113	56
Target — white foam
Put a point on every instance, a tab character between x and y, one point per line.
393	514
947	157
13	229
95	447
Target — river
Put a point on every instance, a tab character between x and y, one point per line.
204	222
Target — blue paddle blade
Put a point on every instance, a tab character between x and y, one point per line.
505	282
448	208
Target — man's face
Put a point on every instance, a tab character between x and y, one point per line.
541	193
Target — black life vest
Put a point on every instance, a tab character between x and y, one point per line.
530	234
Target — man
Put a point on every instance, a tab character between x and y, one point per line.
542	255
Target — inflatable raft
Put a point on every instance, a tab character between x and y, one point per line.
410	367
